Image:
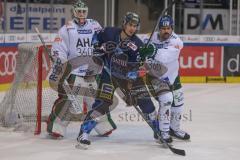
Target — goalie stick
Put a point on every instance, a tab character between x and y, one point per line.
75	105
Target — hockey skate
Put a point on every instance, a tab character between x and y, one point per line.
179	134
86	127
164	136
83	141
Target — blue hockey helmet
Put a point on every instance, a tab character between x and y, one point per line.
132	17
165	21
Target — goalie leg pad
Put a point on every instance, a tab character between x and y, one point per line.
105	125
59	128
59	118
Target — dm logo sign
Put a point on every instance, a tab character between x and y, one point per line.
212	22
231	66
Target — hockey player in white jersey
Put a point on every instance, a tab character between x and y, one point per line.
74	39
168	46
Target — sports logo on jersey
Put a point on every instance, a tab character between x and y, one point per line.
82	70
119	61
84	31
132	46
110	46
161	45
106	91
124	45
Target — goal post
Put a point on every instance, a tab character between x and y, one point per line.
28	102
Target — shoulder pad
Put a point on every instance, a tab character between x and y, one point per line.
70	25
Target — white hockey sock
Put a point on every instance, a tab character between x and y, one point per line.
176	115
165	102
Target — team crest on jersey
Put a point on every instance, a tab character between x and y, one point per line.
110	46
84	31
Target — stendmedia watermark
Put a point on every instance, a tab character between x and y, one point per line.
136	117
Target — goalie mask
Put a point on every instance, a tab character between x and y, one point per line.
79	12
131	17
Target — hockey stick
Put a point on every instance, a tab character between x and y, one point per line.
75	105
174	150
156	25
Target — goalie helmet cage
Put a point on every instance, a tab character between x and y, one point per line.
28	102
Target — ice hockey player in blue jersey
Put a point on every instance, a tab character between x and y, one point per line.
121	58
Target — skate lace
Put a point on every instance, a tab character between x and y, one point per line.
83	136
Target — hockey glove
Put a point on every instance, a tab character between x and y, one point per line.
147	51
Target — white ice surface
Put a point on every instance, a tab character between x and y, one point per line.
211	116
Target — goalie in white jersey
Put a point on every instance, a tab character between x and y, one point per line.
168	46
74	39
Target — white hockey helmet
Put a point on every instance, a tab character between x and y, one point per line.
79	6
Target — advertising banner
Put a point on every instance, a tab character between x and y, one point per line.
210	39
214	21
7	63
22	18
231	64
200	61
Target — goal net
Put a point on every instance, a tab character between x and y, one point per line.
29	100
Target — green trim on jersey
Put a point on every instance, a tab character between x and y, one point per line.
177	84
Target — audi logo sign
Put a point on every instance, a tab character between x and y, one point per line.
7	63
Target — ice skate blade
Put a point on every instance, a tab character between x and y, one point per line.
180	140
